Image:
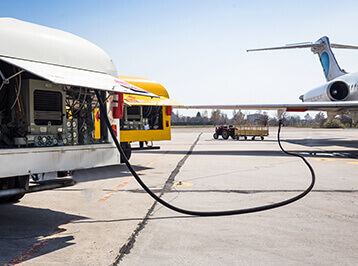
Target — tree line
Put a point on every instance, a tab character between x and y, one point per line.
217	117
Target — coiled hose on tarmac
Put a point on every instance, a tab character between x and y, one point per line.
207	213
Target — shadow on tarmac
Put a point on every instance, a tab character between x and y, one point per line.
106	172
23	230
352	144
278	153
26	230
137	219
325	142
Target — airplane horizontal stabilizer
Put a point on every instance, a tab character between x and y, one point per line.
304	45
343	46
322	48
288	46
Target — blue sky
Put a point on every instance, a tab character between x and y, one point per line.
197	49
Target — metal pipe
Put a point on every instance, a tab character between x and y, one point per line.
11	192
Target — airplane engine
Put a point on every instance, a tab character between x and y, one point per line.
338	91
334	91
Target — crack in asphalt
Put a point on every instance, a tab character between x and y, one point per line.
126	248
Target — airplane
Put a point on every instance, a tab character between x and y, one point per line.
339	95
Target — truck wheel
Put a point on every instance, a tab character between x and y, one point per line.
126	146
215	136
225	134
237	137
253	138
262	138
14	182
245	137
7	183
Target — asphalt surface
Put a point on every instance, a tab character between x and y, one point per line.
106	218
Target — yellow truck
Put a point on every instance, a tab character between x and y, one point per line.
145	119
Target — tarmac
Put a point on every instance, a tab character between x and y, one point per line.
107	218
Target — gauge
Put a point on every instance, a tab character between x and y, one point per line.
68	123
74	124
55	141
65	141
75	134
69	134
44	139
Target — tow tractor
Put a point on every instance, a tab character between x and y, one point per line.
224	131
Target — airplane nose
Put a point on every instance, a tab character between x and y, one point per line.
301	98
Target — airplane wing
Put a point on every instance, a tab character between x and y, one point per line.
291	107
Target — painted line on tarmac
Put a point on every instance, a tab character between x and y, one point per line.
323	159
126	248
354	163
125	182
39	244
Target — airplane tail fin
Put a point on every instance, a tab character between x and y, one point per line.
329	63
322	47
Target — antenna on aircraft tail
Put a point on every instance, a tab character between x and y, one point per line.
322	47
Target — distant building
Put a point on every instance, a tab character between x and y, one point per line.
257	119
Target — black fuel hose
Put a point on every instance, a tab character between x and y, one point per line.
205	213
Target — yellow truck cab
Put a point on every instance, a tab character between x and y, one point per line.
145	119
